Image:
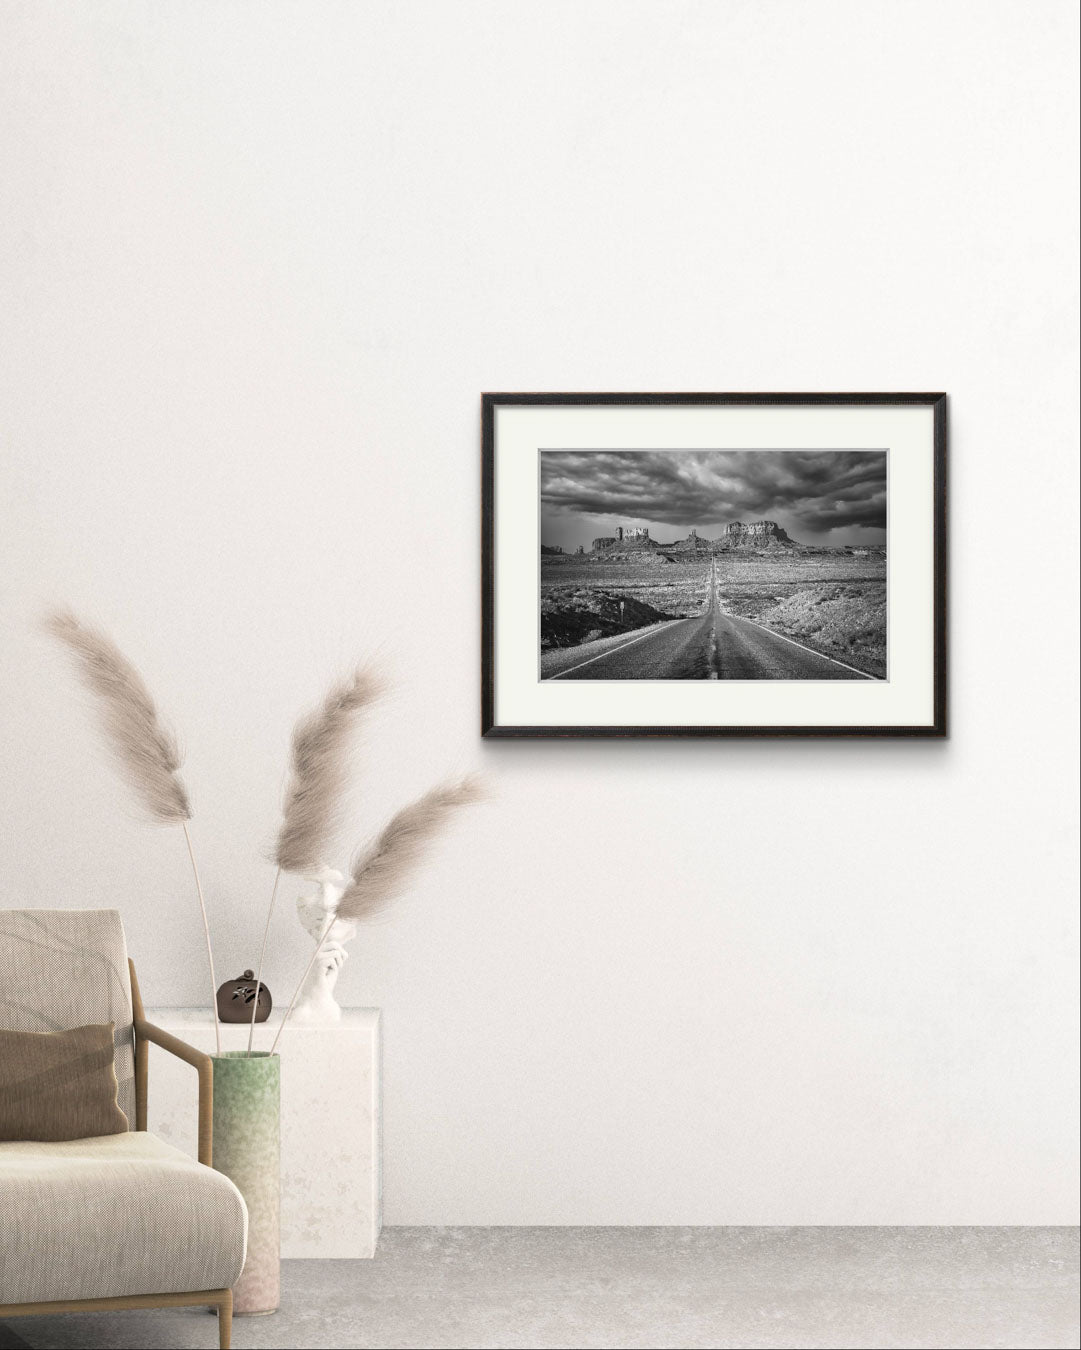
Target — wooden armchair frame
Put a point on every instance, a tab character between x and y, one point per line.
220	1299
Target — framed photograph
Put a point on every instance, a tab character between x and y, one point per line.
713	565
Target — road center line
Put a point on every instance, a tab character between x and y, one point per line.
861	673
610	650
714	663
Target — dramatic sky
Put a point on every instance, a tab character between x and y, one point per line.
819	496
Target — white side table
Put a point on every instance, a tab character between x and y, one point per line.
332	1200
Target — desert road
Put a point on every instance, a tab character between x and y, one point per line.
709	646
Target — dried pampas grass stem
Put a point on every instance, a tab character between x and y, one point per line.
383	869
319	765
262	956
145	748
331	921
206	930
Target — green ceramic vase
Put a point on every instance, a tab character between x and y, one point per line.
247	1149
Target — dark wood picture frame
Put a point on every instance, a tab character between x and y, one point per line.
491	402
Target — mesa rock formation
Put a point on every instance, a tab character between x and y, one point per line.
632	539
758	534
634	544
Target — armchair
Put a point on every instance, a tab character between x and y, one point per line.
122	1220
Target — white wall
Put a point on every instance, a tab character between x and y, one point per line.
259	262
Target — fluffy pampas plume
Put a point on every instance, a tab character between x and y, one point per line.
383	869
320	759
311	816
142	743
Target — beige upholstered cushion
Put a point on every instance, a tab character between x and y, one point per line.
58	1085
63	968
121	1214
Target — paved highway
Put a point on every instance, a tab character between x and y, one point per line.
710	646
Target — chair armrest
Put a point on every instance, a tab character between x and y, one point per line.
146	1031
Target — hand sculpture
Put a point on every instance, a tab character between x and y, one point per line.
316	1002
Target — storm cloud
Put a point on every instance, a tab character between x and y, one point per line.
816	491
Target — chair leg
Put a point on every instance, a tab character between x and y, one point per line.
225	1321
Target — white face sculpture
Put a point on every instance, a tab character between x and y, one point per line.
314	910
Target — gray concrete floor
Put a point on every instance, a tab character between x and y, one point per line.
744	1288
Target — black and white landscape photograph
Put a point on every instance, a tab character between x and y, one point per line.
713	565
